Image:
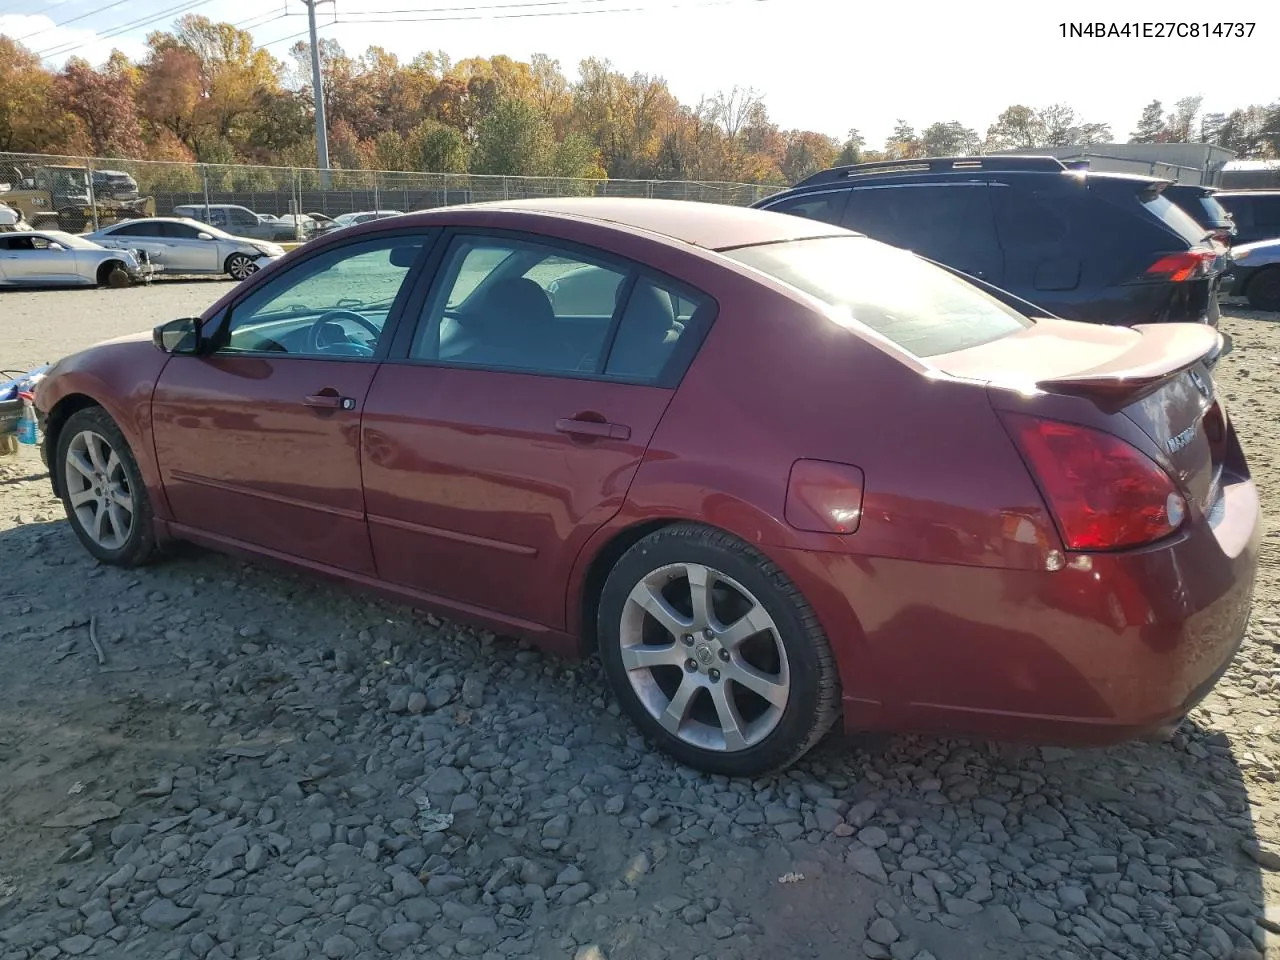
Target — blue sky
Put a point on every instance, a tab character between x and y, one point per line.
825	65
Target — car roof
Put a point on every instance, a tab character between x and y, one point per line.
1247	193
715	226
187	220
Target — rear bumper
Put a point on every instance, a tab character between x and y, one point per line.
1112	647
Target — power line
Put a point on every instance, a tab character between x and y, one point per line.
83	16
551	13
66	48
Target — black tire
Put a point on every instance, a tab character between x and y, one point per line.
240	267
1264	289
813	699
113	275
139	546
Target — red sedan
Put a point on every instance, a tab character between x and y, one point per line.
771	471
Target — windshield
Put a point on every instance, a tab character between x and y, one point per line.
920	307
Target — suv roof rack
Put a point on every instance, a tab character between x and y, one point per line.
935	165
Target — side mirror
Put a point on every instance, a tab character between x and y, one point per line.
204	236
182	336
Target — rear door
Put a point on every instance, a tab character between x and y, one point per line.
507	432
952	223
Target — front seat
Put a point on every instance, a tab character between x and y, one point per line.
515	326
646	336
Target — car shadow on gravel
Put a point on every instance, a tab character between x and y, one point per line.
292	734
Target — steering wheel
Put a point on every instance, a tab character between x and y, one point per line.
316	342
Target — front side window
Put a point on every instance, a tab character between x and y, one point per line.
922	308
335	304
179	231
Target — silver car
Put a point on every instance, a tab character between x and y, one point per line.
183	246
49	257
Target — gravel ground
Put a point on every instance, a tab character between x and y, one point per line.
261	765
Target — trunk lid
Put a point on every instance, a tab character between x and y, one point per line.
1157	376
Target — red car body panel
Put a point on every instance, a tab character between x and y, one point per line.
454	489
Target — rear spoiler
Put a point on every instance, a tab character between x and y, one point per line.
1163	351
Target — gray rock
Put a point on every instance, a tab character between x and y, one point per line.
961	906
1199	886
473	692
255	858
873	837
575	894
480	926
416	702
1005	922
445	780
311	866
406	886
557	828
338	947
1032	911
881	930
1072	898
162	914
100	923
866	862
77	945
398	936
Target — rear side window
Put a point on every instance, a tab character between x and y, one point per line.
827	207
922	308
1026	221
1214	211
952	223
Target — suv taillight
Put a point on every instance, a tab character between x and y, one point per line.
1104	494
1180	267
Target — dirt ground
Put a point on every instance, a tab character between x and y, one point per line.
261	765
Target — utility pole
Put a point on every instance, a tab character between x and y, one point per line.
317	88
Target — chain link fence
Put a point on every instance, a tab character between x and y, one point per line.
81	192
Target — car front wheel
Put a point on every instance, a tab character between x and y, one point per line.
714	654
240	266
102	490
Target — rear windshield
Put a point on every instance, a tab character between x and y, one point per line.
1175	218
920	307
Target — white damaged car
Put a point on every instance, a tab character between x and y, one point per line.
40	258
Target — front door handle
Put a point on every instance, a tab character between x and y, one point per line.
329	401
593	428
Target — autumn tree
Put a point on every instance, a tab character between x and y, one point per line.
30	118
514	140
903	144
104	103
1150	127
1181	122
950	139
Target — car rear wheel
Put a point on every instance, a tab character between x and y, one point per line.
240	266
1264	290
102	490
714	654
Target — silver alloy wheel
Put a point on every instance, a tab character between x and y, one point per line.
716	680
99	491
240	266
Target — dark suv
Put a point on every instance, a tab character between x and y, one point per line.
1100	247
1201	205
1256	213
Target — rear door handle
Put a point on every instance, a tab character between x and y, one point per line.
593	428
329	401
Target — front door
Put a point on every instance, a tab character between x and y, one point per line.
258	442
512	428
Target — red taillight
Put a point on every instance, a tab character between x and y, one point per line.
1103	493
1179	267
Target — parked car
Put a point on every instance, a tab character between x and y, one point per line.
364	216
1256	213
1202	206
12	220
1254	273
183	245
299	226
323	222
114	185
727	512
54	258
1098	247
235	220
